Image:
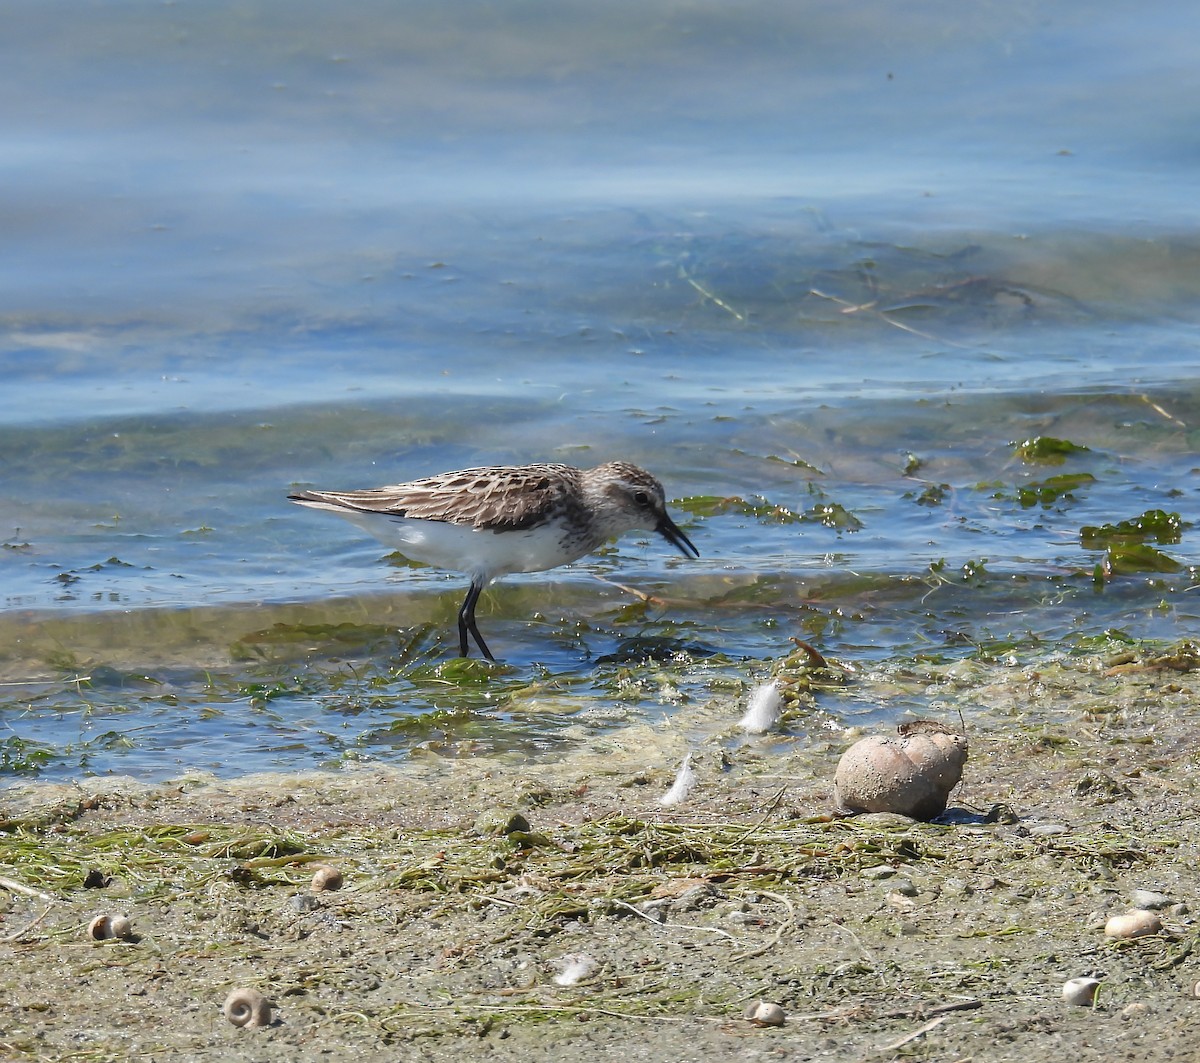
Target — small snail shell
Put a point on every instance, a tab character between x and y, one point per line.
911	774
247	1007
106	927
764	1013
1135	924
1080	991
326	878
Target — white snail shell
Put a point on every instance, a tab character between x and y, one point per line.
764	1013
107	927
326	878
911	774
247	1007
1135	924
1080	991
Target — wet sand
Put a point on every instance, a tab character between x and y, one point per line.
505	910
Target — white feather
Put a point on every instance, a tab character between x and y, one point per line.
685	780
764	710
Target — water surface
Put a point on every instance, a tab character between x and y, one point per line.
821	269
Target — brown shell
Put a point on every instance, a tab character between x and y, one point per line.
911	774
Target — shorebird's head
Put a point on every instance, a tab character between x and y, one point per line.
635	500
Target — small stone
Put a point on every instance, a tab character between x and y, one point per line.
656	910
1139	1009
695	897
498	821
303	903
1048	830
878	871
1151	900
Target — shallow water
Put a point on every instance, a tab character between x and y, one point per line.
820	269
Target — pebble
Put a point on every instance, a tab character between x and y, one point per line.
303	903
878	871
1149	899
495	822
695	897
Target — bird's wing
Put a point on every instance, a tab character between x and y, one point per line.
496	499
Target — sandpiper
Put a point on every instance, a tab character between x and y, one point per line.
507	518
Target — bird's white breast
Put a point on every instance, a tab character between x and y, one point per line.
462	549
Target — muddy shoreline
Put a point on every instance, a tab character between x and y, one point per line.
510	910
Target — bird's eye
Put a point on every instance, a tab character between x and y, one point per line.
641	498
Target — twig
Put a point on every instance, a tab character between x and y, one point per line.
915	1035
938	1009
675	926
641	595
566	1009
17	935
20	887
1159	410
767	810
779	931
713	298
852	308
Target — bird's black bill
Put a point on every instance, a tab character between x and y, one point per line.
669	530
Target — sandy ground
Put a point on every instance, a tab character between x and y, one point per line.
605	926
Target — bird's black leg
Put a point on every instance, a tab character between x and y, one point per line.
466	622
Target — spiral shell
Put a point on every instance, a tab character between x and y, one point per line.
326	878
911	774
108	927
247	1007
